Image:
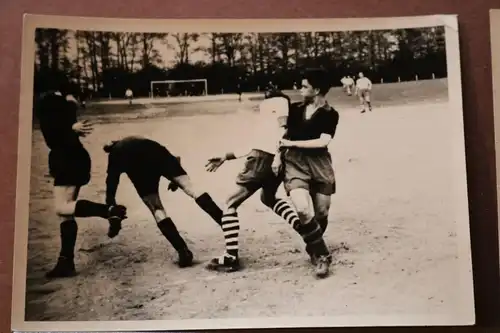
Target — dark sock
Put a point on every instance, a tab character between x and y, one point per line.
231	229
69	230
323	224
313	237
283	209
206	203
169	230
85	208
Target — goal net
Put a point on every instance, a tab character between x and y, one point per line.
170	88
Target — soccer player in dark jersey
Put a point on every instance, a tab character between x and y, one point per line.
309	175
145	161
256	174
70	167
239	88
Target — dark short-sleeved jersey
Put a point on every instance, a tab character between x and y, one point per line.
136	155
57	116
324	120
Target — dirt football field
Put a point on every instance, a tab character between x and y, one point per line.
393	226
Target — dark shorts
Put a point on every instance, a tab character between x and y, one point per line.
364	94
257	172
70	168
146	182
310	171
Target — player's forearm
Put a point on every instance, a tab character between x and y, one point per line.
112	182
236	153
311	144
282	135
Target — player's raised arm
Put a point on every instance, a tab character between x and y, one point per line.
113	175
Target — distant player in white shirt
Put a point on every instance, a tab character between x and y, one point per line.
347	84
363	90
256	174
129	95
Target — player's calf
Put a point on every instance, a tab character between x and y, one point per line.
311	232
229	261
65	266
320	256
169	230
321	210
202	198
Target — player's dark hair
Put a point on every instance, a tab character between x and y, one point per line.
277	93
318	78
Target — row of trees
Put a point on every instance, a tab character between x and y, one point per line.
108	63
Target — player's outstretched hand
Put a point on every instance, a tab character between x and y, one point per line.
214	163
83	128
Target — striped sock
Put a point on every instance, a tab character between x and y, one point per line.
231	228
287	212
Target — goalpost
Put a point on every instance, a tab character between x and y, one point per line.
186	86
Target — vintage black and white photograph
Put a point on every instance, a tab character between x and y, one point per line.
222	174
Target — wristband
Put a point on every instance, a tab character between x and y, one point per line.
230	156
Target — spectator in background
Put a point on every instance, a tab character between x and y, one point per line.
363	91
239	89
349	85
129	95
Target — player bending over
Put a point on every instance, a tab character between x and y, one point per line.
309	177
363	90
70	167
256	174
145	161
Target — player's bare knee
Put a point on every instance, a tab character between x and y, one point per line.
63	217
303	204
65	209
159	215
304	211
65	200
305	214
193	191
188	187
237	197
231	205
153	202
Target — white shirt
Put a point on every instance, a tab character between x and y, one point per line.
129	93
270	112
364	83
349	81
268	131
